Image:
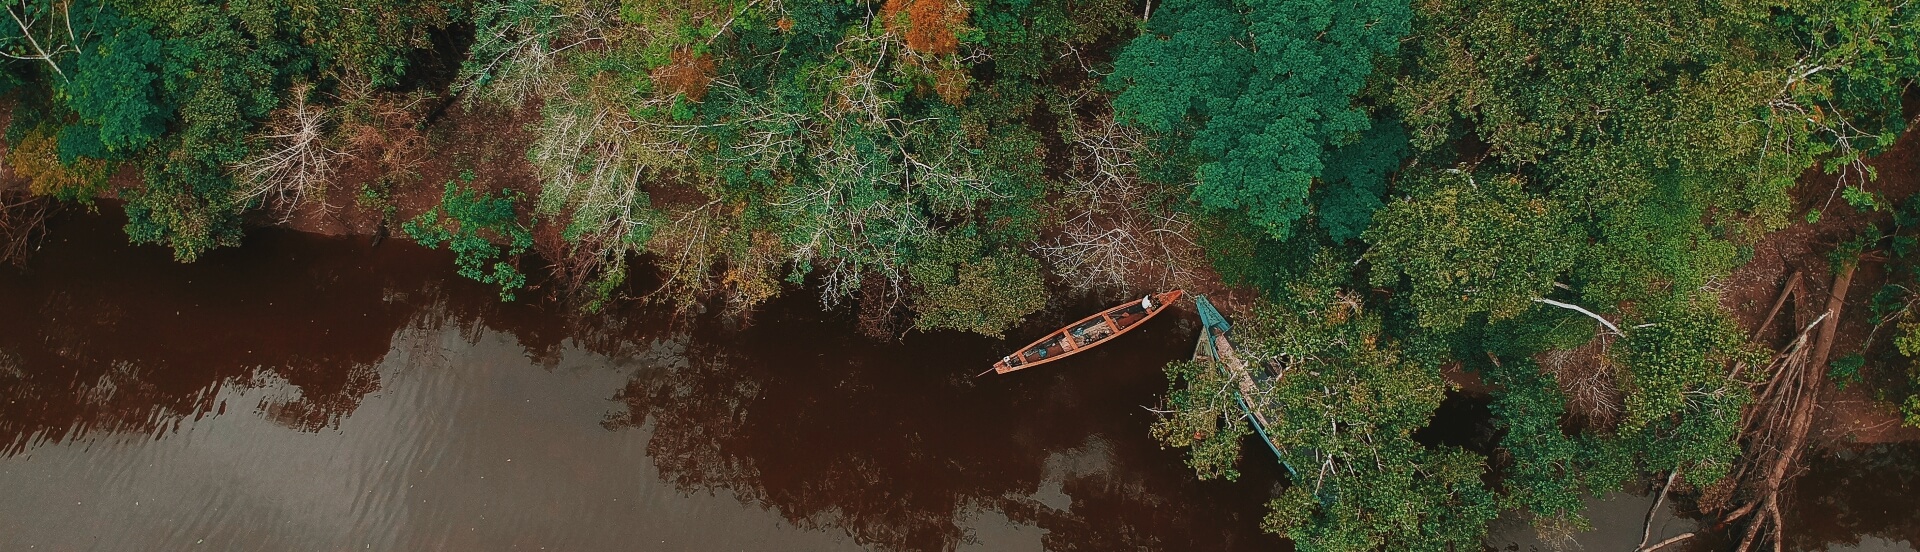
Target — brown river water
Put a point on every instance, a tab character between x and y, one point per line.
310	393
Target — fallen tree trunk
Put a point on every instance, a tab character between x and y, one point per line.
1777	426
1823	345
1646	532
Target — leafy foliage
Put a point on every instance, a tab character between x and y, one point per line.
1468	247
116	83
1546	477
1356	180
1898	379
370	39
1683	409
1862	56
469	222
1373	486
176	87
980	294
37	159
1342	407
1202	419
1260	92
916	154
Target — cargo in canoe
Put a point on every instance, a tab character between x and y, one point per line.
1087	333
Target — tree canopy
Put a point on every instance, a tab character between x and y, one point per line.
1542	195
1259	93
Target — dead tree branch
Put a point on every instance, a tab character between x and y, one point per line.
23	222
28	20
1646	532
1576	308
1670	540
1111	233
297	163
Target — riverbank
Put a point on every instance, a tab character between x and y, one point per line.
399	180
321	390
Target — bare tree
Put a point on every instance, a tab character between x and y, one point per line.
379	127
592	156
297	164
1586	376
1112	233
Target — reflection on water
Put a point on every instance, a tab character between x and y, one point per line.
1860	500
312	394
1618	523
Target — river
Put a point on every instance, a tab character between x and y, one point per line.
312	393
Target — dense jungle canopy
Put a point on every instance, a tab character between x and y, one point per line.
1410	189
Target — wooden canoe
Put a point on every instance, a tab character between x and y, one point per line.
1087	333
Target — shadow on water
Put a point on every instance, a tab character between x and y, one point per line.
1858	500
896	443
390	392
1463	421
101	336
314	393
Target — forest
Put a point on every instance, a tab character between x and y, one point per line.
1578	208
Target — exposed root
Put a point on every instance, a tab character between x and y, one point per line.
1776	425
23	222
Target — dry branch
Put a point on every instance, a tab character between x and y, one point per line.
1111	234
1646	532
28	21
22	223
1585	375
1669	541
297	163
1578	309
1793	285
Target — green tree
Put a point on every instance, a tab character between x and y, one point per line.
1465	246
115	86
1356	180
1860	57
222	71
1682	410
1547	476
962	288
469	223
370	39
1261	93
1342	408
1202	420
